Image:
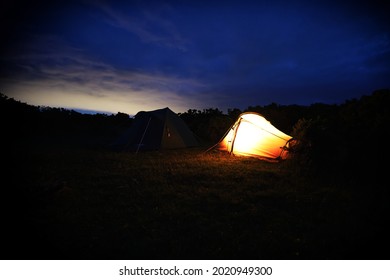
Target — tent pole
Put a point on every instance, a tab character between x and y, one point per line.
235	134
220	140
143	135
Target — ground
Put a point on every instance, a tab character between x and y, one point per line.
184	204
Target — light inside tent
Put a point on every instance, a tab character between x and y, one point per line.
253	135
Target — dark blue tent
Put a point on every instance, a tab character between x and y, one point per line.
157	130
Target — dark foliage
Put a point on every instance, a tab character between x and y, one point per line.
209	125
28	126
347	141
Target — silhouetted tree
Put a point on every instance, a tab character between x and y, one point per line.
209	124
234	113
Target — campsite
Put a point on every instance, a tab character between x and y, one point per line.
67	195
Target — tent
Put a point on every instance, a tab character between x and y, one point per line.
157	130
253	135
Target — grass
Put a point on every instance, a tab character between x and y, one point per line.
183	204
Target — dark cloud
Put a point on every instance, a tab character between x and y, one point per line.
199	54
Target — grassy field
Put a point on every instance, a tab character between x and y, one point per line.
184	204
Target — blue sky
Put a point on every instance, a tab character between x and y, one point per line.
128	56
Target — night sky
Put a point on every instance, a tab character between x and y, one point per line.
128	56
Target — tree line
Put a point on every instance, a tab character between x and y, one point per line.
36	126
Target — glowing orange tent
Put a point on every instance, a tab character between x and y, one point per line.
253	135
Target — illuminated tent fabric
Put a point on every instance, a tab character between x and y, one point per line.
157	130
253	135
